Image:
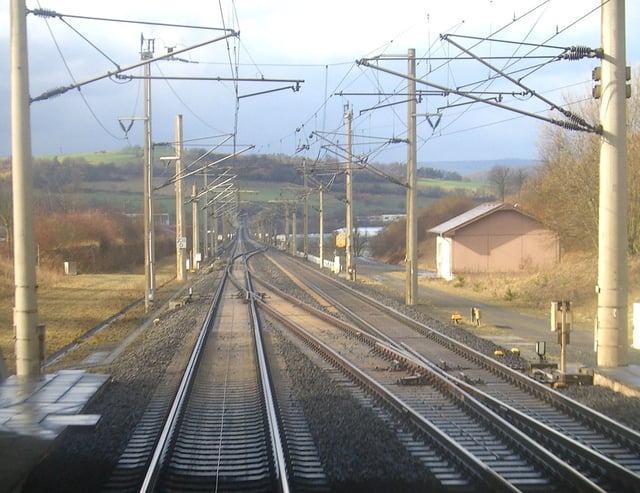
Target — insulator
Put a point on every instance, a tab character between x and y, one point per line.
45	12
579	120
577	52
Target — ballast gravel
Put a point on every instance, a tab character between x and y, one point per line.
82	460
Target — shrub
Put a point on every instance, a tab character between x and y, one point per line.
509	294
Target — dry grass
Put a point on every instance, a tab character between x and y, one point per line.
71	305
532	291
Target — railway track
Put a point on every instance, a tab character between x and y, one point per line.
220	427
234	421
605	454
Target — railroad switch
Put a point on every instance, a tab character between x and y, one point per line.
416	379
467	379
543	372
542	376
396	366
580	379
443	365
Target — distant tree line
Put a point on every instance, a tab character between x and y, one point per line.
66	175
438	174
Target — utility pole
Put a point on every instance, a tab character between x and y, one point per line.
287	246
611	341
412	222
350	267
305	211
25	311
181	239
146	53
294	228
320	213
205	218
214	219
194	221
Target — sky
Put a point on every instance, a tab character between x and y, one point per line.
317	43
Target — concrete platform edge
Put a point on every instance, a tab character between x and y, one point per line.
625	380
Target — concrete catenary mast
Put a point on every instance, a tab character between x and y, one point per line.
181	240
411	287
612	317
25	311
349	250
195	251
146	53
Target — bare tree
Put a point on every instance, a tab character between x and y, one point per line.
565	191
633	166
499	178
518	179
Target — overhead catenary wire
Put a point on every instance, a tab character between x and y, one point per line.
50	13
236	86
113	75
329	96
527	70
71	76
535	46
490	38
324	118
184	103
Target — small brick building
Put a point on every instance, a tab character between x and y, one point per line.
493	237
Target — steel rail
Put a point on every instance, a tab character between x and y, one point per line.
173	417
603	425
280	460
463	393
629	479
598	420
472	464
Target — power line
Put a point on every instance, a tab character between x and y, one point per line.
68	69
51	13
183	102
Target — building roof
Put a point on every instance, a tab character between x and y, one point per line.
469	217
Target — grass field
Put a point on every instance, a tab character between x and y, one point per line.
71	305
450	185
126	194
118	157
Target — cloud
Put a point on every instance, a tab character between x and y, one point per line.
314	41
